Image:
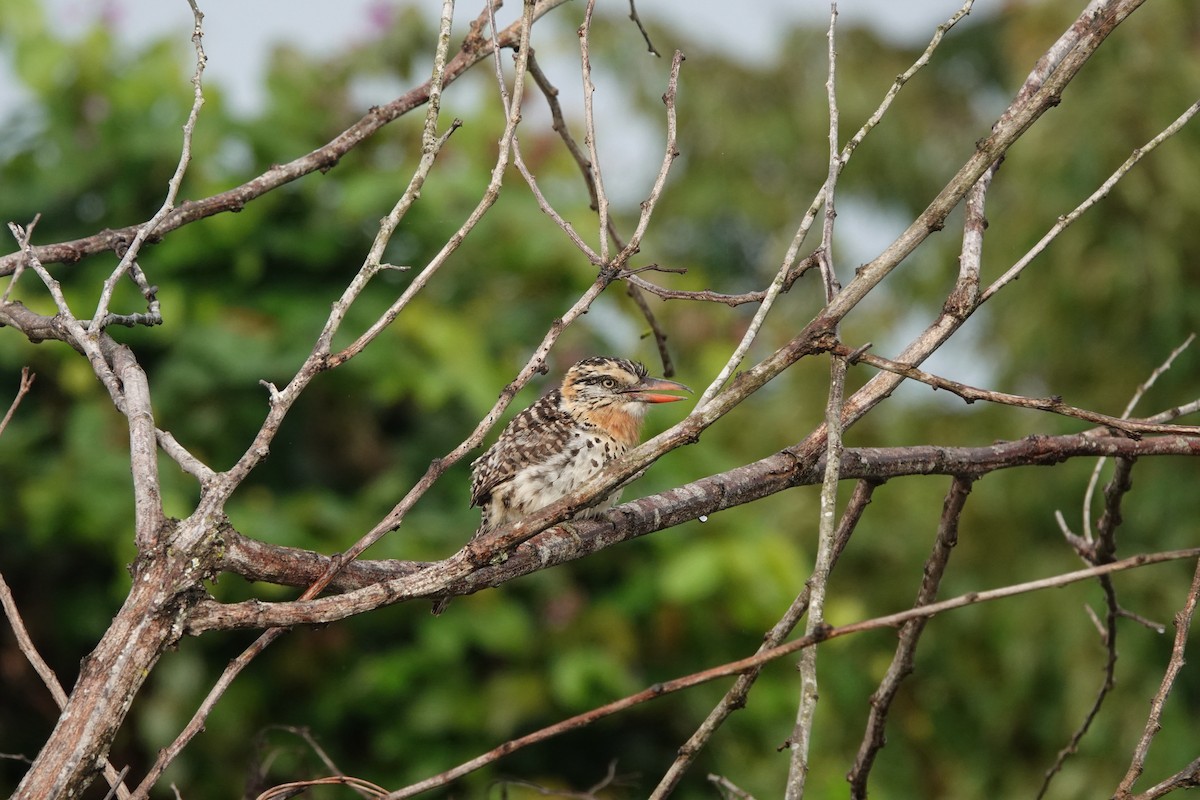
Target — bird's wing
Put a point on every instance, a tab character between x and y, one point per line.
530	438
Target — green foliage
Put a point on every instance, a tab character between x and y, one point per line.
395	696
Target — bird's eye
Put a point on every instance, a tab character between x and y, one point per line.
608	383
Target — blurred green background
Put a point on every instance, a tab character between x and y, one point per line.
396	695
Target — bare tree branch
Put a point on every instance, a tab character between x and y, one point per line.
1102	552
559	125
168	596
728	788
1064	221
589	178
513	552
1039	93
633	15
475	48
128	259
22	389
281	401
589	123
800	742
69	328
1186	778
1133	401
257	779
735	698
764	656
1190	776
910	634
792	265
284	791
1054	405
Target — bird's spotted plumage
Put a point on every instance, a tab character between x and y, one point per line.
551	448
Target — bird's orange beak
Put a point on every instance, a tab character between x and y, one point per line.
647	391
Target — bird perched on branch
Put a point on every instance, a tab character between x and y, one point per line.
551	448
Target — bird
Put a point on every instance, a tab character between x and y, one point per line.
555	445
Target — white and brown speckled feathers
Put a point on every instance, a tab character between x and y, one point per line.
555	445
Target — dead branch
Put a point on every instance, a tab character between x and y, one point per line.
1190	776
1054	405
763	657
472	568
1101	552
910	634
475	47
22	389
735	698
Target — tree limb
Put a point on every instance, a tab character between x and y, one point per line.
489	561
765	656
475	47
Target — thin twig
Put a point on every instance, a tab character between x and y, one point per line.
735	698
337	775
20	266
627	250
591	793
288	790
1065	221
766	656
193	466
670	153
77	334
22	389
634	245
129	258
118	785
792	264
876	116
1041	90
1054	405
800	742
633	15
1138	393
1157	627
910	633
703	295
828	273
373	265
1188	777
1102	551
728	788
474	48
558	124
589	124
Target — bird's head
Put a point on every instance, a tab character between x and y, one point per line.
606	383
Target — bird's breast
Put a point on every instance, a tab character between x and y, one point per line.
536	485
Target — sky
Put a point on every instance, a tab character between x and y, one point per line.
239	35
